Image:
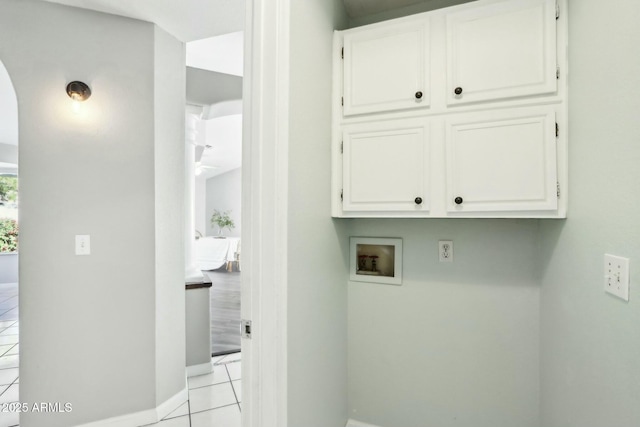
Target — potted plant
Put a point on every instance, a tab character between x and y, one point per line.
222	220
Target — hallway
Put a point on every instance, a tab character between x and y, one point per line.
214	399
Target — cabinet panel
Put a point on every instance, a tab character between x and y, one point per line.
502	161
386	68
385	166
500	51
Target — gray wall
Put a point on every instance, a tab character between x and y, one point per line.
169	188
591	340
456	344
224	193
317	297
88	323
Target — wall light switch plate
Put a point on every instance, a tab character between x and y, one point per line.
83	244
616	276
445	250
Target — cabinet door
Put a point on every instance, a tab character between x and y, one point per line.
502	161
385	166
500	51
386	68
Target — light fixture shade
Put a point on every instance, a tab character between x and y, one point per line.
78	91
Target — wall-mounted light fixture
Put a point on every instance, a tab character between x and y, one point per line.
78	91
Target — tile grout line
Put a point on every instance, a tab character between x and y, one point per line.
189	403
208	385
231	383
213	409
8	350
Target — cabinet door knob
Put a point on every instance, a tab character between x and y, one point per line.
418	200
458	90
458	200
418	95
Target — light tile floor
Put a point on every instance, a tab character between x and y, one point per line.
214	399
9	348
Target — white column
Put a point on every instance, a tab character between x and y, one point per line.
192	115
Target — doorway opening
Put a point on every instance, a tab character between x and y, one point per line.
9	324
213	247
214	87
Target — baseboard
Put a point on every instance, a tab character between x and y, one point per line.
354	423
141	418
172	403
203	368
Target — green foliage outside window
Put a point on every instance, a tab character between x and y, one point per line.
8	235
8	213
8	188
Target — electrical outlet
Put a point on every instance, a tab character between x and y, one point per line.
83	244
616	276
445	250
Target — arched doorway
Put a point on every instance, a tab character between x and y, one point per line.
8	247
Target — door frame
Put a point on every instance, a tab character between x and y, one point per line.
264	212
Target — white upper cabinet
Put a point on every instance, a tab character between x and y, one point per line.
502	161
386	68
501	50
386	166
405	144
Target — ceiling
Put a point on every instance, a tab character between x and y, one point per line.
190	20
206	87
224	53
187	20
223	136
359	8
214	81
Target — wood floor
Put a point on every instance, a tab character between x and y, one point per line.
225	311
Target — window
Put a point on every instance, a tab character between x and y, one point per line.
8	213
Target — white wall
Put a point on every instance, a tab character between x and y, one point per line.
317	297
200	202
224	193
169	151
198	320
8	113
590	340
88	324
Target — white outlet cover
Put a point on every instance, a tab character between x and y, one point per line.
616	276
445	250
